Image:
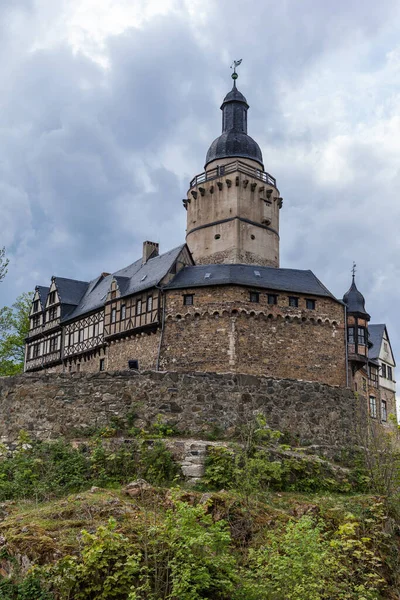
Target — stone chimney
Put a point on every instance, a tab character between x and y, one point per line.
150	250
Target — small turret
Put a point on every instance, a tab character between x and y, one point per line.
357	326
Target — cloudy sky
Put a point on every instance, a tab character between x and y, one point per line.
107	108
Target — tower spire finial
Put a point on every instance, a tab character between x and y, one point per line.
353	270
235	64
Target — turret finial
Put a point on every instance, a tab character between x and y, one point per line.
235	64
353	270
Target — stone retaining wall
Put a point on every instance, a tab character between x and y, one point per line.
51	405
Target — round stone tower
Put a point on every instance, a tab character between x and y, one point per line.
233	206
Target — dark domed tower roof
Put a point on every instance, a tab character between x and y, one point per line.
234	141
355	301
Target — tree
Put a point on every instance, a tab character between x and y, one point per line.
14	327
3	264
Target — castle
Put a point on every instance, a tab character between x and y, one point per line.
220	302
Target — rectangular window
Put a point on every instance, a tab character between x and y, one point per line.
102	366
272	299
36	306
80	336
188	299
113	315
53	313
71	339
53	344
384	410
36	350
364	383
113	294
310	304
78	367
383	370
52	297
138	307
373	374
372	406
149	303
350	335
293	301
254	297
123	312
361	335
36	321
390	373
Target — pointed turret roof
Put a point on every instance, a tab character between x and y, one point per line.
355	301
234	141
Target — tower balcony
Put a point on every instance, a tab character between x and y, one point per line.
233	167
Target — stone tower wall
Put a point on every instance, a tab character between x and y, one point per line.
234	219
224	332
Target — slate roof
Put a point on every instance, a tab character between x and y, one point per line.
286	280
355	301
375	333
231	144
131	279
43	292
70	291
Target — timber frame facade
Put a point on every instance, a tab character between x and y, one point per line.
72	323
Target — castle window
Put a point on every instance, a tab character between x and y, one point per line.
53	344
188	299
102	366
217	236
272	299
36	306
361	335
364	384
36	350
372	406
80	336
310	304
113	294
254	297
138	307
350	335
149	303
52	297
53	313
123	312
71	339
390	373
384	410
36	321
373	374
113	315
293	301
383	369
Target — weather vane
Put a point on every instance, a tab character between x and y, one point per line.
353	270
235	64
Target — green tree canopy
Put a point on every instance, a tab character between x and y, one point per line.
3	263
14	327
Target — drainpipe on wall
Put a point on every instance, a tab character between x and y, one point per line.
162	329
346	346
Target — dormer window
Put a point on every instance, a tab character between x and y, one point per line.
53	313
36	321
52	297
36	306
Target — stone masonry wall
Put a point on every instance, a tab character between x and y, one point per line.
51	405
224	332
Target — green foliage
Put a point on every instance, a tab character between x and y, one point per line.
107	568
304	563
29	588
3	263
14	327
42	470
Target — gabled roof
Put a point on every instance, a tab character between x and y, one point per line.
93	298
143	276
375	333
70	291
132	279
43	292
287	280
